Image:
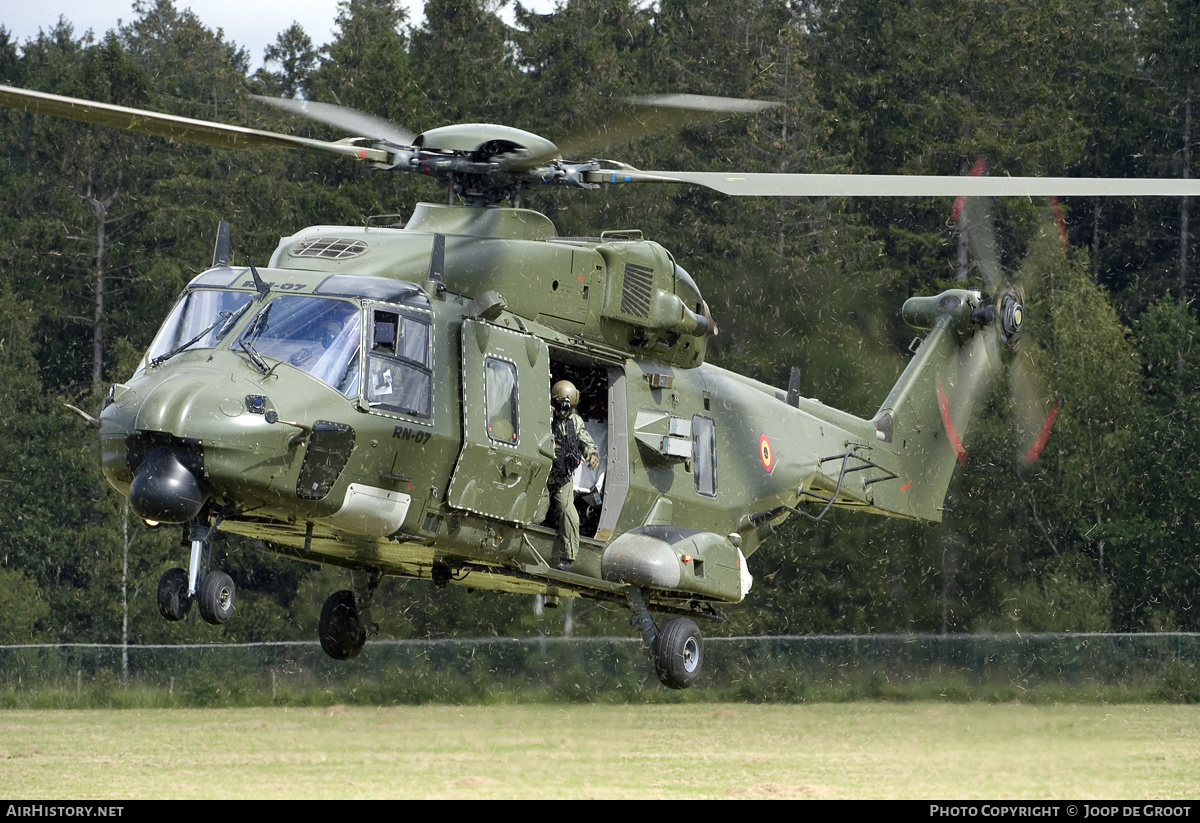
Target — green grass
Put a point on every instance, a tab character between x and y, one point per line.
815	750
229	677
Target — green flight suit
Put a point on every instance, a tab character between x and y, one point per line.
568	515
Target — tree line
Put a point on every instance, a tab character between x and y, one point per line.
100	230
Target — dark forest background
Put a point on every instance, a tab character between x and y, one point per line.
100	230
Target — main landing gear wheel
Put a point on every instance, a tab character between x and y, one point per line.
216	597
173	601
341	631
679	653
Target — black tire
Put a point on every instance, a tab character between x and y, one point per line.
173	601
216	597
341	630
680	653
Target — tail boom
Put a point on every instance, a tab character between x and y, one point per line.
904	469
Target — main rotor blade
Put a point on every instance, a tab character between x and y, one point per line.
736	184
903	185
648	115
351	121
700	103
173	127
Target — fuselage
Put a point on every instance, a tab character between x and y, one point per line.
379	397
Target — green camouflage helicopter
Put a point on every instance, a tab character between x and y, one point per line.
378	397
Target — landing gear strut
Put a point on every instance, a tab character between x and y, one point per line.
678	650
214	591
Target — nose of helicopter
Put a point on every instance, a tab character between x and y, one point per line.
165	490
153	429
195	432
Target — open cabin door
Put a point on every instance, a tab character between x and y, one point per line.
508	445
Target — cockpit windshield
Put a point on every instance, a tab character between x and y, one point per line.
317	335
200	320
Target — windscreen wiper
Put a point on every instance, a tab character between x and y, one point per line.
225	320
255	357
260	322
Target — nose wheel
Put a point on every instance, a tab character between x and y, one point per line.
174	603
216	597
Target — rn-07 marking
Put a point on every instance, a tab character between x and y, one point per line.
405	433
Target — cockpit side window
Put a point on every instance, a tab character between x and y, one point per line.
400	363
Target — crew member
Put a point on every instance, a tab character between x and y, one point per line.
572	445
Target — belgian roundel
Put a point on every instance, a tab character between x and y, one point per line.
764	453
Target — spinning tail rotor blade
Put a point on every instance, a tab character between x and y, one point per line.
979	358
977	245
951	429
1033	414
965	383
977	226
1034	408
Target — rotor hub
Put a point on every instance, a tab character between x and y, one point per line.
1011	314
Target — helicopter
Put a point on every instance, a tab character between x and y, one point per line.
377	397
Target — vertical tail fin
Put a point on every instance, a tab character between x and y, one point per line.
923	420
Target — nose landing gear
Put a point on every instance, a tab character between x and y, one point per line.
214	591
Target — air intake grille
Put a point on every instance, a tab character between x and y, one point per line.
635	293
331	248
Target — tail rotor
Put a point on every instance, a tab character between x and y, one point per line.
998	342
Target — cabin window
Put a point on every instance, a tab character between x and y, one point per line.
704	455
500	386
399	369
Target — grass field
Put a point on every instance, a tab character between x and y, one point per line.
824	750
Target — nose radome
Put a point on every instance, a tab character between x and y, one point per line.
164	490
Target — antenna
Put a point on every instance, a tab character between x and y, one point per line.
221	249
